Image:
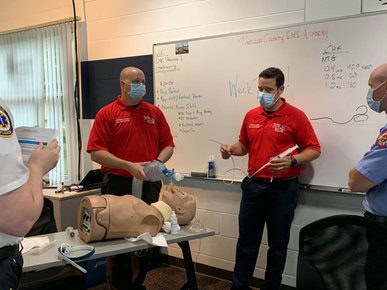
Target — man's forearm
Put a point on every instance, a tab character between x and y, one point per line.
307	156
357	182
28	199
238	149
165	154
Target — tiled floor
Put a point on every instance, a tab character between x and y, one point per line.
173	278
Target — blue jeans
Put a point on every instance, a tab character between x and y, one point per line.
273	204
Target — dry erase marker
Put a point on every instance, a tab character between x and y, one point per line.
344	190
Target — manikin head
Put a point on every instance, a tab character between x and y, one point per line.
184	204
109	216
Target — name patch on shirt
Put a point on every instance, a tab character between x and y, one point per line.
122	120
254	126
382	140
6	126
150	120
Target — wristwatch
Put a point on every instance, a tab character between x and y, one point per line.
293	161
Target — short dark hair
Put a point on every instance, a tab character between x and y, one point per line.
274	73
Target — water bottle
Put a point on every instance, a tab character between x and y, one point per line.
174	224
211	167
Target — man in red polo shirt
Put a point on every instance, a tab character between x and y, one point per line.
269	195
126	135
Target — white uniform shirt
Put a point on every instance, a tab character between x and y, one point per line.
13	173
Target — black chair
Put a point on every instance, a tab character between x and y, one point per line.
62	277
332	254
46	222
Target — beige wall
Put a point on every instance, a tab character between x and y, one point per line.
121	28
24	13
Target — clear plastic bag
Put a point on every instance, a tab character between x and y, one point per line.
155	171
137	187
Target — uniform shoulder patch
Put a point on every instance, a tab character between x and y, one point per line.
6	126
381	141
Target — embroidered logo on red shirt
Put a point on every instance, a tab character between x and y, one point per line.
279	128
123	120
254	126
382	140
150	120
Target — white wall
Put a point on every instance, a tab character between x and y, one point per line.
122	28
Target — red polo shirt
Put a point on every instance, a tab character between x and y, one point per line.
135	134
268	135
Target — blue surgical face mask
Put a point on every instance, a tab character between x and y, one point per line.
137	91
266	100
374	105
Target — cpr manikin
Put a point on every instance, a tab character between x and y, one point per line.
109	216
183	203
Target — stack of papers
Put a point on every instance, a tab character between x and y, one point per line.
29	138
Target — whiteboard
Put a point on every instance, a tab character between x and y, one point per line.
206	86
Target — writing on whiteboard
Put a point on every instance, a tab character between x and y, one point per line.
237	88
278	37
338	70
165	63
178	97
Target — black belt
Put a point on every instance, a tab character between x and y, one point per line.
377	218
8	251
274	180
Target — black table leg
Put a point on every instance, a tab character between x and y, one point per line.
189	267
